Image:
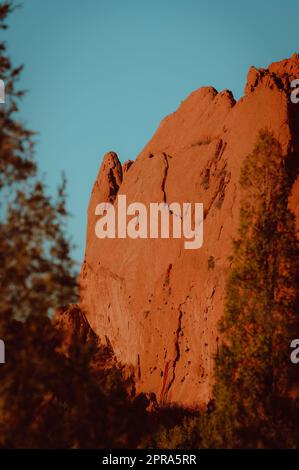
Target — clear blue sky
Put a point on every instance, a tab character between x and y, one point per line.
102	74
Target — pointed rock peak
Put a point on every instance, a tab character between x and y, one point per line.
253	78
198	95
109	177
295	57
226	95
278	73
111	162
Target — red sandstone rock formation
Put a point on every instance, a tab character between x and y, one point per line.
157	303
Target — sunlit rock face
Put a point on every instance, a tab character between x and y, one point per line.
157	303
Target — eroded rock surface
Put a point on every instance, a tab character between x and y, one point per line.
157	303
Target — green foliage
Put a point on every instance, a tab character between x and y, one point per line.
253	369
36	269
171	427
183	435
16	145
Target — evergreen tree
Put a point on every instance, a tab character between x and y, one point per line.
75	398
36	269
52	395
253	370
16	145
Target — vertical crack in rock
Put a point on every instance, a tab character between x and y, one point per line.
177	346
164	390
138	367
219	195
114	187
165	176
